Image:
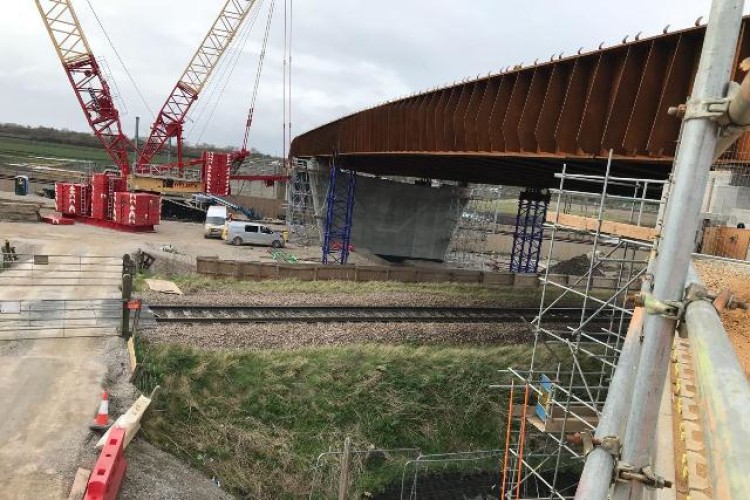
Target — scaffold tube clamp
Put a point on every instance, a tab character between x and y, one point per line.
625	472
666	308
707	108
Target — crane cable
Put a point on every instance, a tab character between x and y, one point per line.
289	90
122	63
221	72
226	73
283	90
256	86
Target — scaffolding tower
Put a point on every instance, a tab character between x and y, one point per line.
300	210
560	395
475	212
339	216
529	232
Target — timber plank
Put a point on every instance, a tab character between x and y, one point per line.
629	231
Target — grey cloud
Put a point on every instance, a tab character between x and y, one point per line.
348	54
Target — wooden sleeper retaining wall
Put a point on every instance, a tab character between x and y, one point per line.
258	271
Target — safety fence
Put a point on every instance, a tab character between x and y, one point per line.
257	271
60	270
405	474
22	319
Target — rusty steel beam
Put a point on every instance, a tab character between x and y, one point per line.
577	109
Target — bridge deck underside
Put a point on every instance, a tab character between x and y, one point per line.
496	169
571	110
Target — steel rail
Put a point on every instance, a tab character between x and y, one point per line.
335	314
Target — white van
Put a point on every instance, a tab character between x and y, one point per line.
216	219
242	232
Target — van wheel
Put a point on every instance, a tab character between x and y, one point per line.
276	244
237	241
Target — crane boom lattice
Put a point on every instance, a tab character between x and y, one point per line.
169	122
86	77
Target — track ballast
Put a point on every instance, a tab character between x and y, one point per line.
348	314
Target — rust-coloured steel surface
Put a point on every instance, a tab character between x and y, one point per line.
518	127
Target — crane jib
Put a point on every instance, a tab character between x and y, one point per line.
85	76
169	121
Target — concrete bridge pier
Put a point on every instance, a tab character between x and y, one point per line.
392	219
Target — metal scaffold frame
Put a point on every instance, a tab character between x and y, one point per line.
300	209
474	216
560	397
339	216
529	233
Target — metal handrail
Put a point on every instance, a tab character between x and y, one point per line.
724	394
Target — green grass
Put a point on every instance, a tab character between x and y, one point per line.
16	150
509	296
257	420
20	150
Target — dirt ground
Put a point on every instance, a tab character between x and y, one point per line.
717	276
50	388
182	242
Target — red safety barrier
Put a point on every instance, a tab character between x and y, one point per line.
109	471
57	220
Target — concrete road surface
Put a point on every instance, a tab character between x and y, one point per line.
50	387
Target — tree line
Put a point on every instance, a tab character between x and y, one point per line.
71	138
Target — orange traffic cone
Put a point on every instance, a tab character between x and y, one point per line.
102	421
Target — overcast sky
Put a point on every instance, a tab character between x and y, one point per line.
347	55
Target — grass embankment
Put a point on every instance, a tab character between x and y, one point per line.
18	150
501	296
257	420
21	150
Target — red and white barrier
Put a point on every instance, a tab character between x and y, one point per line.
109	471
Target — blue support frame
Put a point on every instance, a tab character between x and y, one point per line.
529	233
339	216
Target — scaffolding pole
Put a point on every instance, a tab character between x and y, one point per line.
725	398
572	364
300	213
692	163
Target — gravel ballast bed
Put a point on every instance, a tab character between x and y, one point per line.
227	298
286	336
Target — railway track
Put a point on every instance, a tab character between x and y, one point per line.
334	314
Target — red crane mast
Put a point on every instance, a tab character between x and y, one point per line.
85	75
